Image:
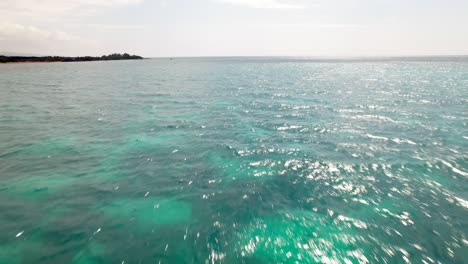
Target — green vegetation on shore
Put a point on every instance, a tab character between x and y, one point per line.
115	56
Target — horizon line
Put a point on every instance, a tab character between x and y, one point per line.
310	56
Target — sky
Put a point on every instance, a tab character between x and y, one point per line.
172	28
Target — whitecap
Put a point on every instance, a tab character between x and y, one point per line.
400	141
283	128
376	137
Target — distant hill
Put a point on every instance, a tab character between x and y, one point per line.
115	56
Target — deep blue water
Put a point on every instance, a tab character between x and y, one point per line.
234	160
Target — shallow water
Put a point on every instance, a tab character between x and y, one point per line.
234	161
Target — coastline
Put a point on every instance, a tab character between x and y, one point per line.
26	62
47	62
47	59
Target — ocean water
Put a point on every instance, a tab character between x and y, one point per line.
247	160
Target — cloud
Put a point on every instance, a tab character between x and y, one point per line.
26	38
44	8
60	4
14	30
46	26
318	26
264	4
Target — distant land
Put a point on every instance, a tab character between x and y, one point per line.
115	56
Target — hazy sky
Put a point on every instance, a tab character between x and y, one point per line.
235	27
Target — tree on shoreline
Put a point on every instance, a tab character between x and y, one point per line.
114	56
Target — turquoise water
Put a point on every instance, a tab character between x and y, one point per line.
234	161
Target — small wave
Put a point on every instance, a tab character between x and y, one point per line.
454	169
400	141
376	137
284	128
374	118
